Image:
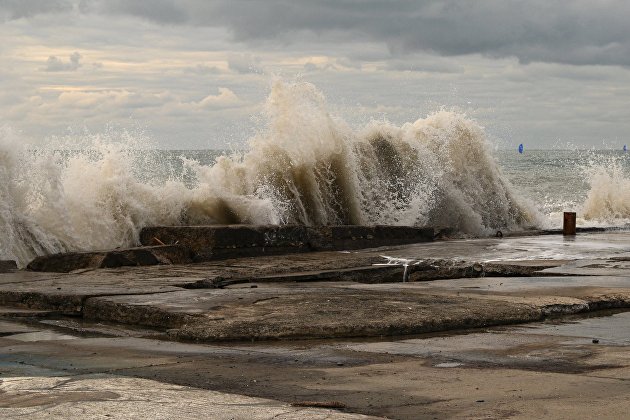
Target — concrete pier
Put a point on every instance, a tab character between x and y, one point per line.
232	241
225	330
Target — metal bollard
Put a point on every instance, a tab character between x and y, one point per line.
568	225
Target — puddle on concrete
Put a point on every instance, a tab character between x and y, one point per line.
8	328
608	327
611	329
505	284
87	329
552	247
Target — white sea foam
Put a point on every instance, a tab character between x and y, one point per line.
608	199
305	167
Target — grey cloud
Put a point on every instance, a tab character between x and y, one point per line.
576	32
163	11
56	64
244	63
203	69
425	64
310	67
16	9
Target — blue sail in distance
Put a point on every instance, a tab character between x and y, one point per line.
520	148
625	148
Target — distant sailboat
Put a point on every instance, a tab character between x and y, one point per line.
625	148
520	148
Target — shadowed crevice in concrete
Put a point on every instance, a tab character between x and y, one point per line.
426	270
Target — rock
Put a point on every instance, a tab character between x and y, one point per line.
6	266
232	241
357	237
228	241
70	261
66	262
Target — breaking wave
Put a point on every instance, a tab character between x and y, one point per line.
608	199
305	167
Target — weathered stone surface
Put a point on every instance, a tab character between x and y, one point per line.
333	293
224	241
61	292
357	237
71	397
580	366
404	378
310	312
67	262
227	241
7	266
42	299
446	269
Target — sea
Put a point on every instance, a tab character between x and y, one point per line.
304	166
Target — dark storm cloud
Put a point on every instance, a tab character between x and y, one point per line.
573	32
16	9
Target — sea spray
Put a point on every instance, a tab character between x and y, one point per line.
592	183
20	237
437	170
56	200
305	167
608	198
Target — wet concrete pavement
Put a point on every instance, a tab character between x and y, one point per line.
126	342
551	370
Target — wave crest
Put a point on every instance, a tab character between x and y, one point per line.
305	167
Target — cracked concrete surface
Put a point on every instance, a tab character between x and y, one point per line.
130	341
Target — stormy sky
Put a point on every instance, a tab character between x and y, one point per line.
194	73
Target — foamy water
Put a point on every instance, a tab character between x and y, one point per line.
305	167
593	183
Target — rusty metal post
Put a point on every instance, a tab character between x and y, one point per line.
568	225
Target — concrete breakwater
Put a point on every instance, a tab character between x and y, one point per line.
144	322
330	294
333	294
186	244
210	242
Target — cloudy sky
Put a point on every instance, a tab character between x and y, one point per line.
194	73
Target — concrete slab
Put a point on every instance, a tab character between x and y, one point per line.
539	370
104	396
229	241
516	372
554	247
592	267
10	328
148	255
559	345
157	296
299	312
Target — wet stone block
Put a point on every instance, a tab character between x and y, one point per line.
70	261
356	237
6	266
231	241
227	241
